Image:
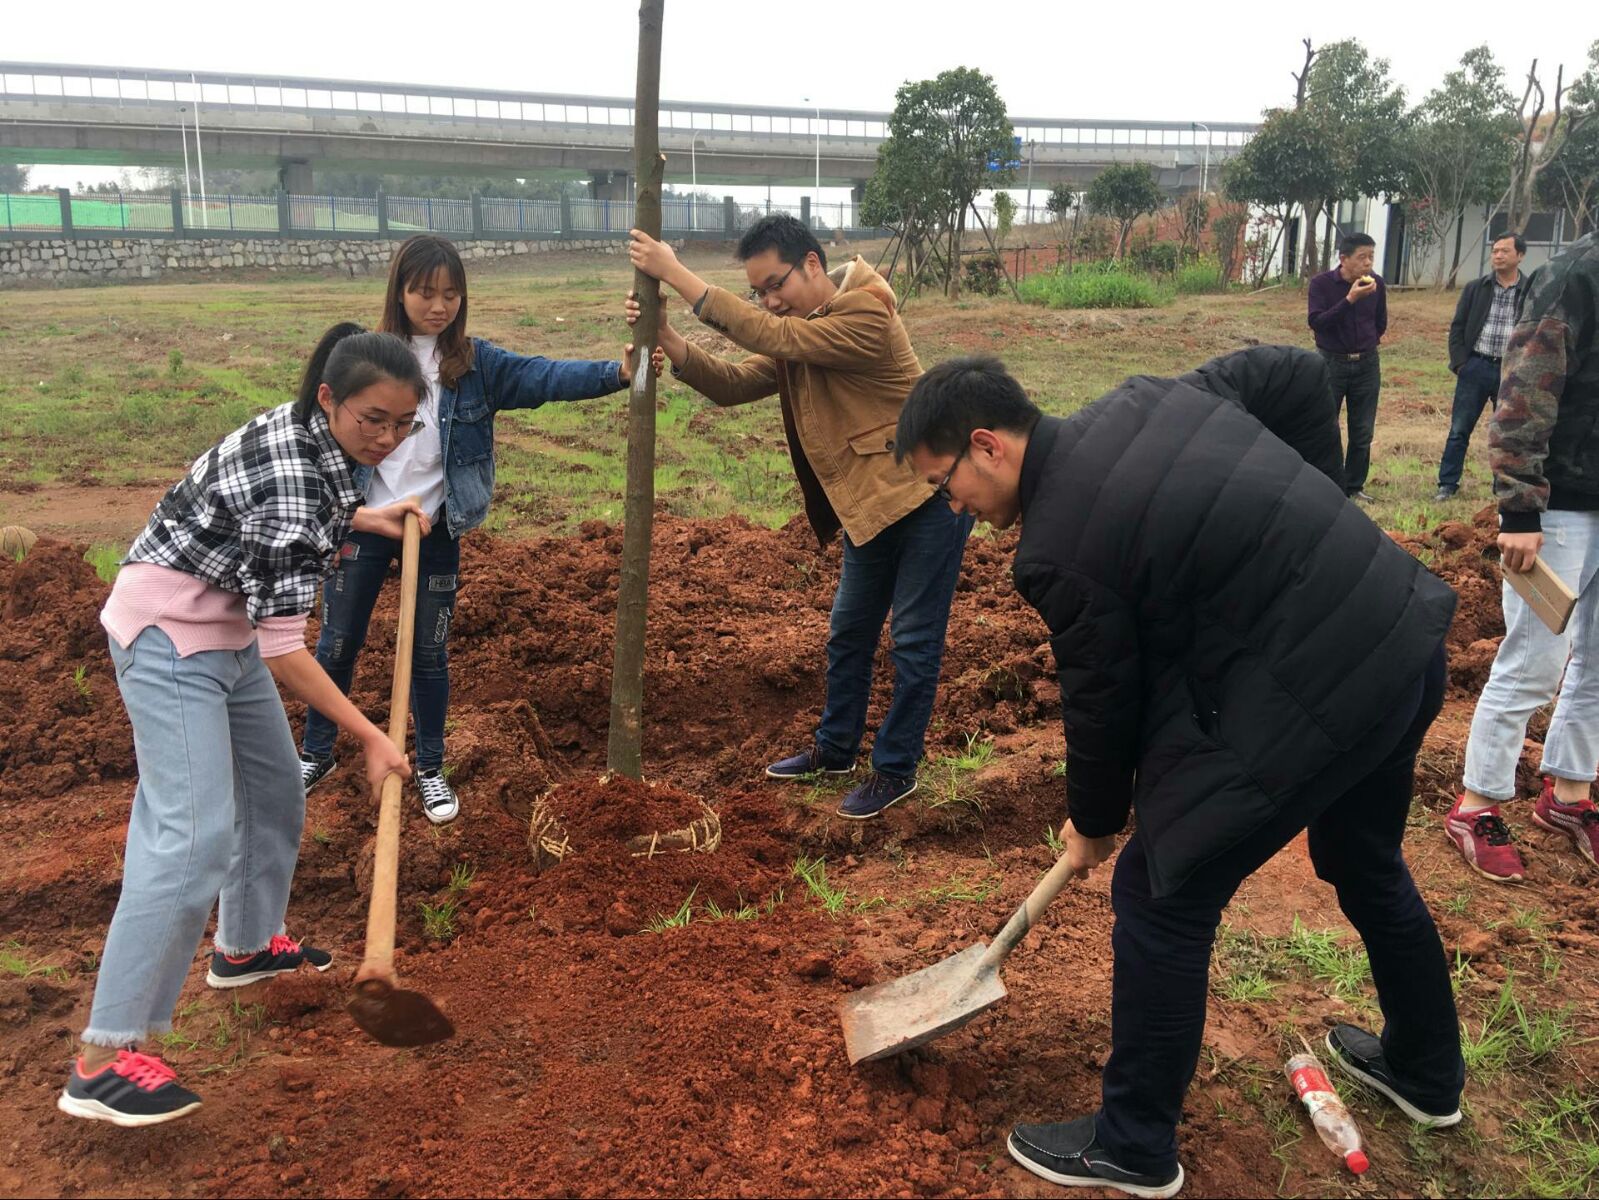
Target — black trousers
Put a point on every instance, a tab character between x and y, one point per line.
1162	947
1356	383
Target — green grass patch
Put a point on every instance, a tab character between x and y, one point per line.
661	922
106	561
15	960
1096	289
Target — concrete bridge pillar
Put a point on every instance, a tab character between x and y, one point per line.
857	191
295	176
610	185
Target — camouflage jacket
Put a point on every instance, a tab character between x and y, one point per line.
1543	441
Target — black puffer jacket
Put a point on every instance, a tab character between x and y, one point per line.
1226	624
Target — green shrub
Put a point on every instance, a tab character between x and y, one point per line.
1095	288
1156	258
984	276
1199	278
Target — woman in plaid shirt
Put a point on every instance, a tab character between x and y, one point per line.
207	616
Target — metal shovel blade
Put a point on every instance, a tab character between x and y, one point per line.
396	1017
890	1018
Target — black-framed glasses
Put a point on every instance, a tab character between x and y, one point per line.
373	427
942	490
760	293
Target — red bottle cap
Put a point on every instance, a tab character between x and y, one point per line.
1355	1160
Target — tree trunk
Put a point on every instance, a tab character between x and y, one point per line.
1460	233
1308	240
623	753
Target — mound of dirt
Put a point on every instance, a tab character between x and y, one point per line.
1466	557
65	724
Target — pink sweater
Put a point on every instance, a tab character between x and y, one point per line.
195	614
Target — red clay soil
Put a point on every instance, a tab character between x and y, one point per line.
594	1058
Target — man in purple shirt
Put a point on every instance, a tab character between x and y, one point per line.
1349	313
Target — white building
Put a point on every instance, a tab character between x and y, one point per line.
1401	263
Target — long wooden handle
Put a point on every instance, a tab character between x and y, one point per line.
379	961
1026	916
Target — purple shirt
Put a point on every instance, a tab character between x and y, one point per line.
1345	328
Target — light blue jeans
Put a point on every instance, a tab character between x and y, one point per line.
216	817
1527	671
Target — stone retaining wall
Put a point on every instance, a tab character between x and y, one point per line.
72	261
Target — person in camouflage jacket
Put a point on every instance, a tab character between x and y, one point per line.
1544	450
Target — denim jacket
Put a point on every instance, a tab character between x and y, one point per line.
498	379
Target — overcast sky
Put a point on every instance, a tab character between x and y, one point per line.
1156	61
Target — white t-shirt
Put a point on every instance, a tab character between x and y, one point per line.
416	466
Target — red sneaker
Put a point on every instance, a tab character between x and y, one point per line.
1484	840
1579	822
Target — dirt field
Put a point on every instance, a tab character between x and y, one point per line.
596	1057
667	1026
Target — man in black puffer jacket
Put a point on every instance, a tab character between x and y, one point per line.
1242	654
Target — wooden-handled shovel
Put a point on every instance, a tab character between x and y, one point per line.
891	1018
391	1015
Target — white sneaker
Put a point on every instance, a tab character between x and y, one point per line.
439	801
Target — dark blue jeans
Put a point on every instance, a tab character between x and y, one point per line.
1162	947
1356	383
911	569
347	601
1476	385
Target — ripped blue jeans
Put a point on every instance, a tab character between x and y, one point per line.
348	598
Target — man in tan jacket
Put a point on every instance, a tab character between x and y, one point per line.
833	349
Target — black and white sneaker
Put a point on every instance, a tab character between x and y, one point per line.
283	954
133	1090
439	800
1360	1054
314	770
1067	1153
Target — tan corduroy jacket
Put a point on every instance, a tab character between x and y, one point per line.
842	374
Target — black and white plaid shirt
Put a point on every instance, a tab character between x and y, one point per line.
1501	322
263	512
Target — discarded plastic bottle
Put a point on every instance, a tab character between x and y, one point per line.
1334	1125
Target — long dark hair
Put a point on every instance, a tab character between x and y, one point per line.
415	263
350	359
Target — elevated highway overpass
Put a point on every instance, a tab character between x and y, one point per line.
137	117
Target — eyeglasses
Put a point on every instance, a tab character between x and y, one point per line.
373	427
760	293
942	490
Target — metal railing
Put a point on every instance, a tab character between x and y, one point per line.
173	213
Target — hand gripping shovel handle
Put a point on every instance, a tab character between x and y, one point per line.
376	975
1026	916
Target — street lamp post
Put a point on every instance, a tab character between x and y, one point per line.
694	186
817	202
1204	171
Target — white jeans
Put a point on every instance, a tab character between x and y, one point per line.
1527	672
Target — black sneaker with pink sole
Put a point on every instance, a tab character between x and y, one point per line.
132	1090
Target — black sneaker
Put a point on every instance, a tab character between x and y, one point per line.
440	804
807	763
282	955
1067	1154
133	1090
314	770
877	794
1444	493
1358	1053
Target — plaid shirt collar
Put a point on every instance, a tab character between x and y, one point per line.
337	466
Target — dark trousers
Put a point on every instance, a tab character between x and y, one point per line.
910	568
1162	950
1356	384
348	597
1475	385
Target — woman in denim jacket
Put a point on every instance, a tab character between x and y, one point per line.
449	469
